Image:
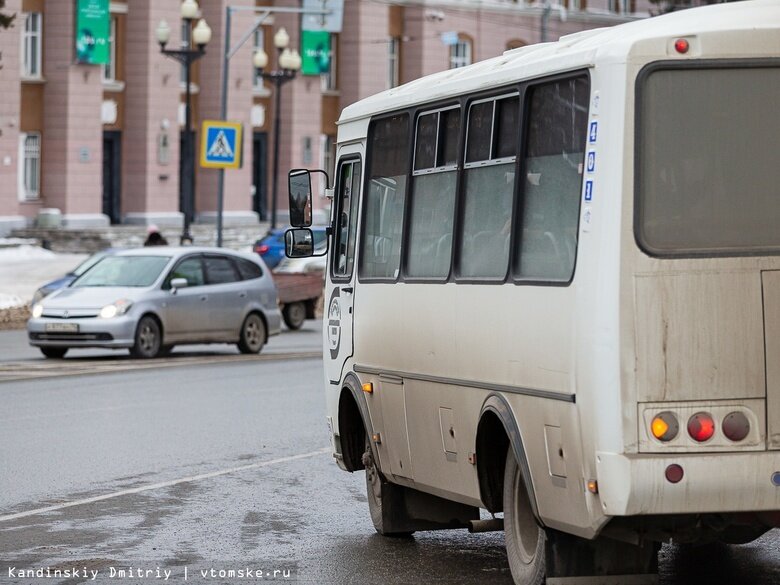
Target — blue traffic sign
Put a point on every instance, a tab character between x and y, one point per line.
221	145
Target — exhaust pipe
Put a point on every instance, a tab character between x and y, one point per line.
492	525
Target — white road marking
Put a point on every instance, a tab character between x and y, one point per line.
163	484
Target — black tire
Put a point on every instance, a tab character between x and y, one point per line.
253	334
54	352
377	489
148	339
294	314
525	539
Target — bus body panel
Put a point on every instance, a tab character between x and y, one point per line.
582	365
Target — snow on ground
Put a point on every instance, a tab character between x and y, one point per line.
8	301
24	268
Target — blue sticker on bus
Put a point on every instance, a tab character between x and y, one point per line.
593	132
588	190
591	161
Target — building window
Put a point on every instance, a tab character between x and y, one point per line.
258	44
186	36
460	53
620	6
30	166
31	49
109	69
329	79
393	62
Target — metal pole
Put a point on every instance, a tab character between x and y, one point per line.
189	173
545	18
277	117
223	116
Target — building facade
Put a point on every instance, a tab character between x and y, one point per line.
101	143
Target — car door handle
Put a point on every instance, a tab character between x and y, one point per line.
204	298
348	290
242	295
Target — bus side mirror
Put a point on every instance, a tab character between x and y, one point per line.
299	243
299	184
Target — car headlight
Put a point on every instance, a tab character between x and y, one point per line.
120	307
37	311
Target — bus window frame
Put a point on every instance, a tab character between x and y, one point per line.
361	278
519	88
507	92
337	210
415	116
518	280
639	87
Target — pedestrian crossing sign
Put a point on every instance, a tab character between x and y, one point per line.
220	145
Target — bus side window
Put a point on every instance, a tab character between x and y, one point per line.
550	192
346	227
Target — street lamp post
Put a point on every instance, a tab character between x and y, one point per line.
289	62
201	35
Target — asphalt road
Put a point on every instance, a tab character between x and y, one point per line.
214	463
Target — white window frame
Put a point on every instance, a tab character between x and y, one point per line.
393	62
460	53
32	38
109	69
329	80
29	166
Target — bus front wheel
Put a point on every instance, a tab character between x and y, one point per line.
525	539
380	494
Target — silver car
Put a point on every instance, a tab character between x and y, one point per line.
150	299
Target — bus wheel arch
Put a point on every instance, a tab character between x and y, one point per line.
497	424
354	424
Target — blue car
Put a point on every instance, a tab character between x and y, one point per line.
271	246
64	281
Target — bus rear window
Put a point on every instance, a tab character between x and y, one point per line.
708	173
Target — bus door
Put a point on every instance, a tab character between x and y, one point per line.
342	270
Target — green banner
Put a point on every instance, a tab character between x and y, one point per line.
315	52
93	26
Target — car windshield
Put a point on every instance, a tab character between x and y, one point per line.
124	271
88	263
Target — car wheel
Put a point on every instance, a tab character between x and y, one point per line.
54	352
525	539
294	314
148	339
252	337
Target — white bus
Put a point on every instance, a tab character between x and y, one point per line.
554	294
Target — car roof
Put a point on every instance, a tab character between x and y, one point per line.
179	251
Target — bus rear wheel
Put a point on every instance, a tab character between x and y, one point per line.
379	491
525	539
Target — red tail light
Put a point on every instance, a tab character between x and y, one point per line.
701	427
261	249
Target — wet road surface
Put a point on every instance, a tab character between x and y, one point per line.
224	466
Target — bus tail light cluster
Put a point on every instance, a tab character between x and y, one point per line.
701	426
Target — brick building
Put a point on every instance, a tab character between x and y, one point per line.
101	143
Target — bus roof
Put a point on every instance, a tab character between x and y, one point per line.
581	49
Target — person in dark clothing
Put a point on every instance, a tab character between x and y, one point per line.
154	237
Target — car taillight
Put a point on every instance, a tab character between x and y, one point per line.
701	427
263	249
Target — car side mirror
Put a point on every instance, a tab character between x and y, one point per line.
299	243
178	283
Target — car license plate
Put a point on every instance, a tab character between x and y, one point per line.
62	327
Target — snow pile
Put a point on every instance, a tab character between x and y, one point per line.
24	253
